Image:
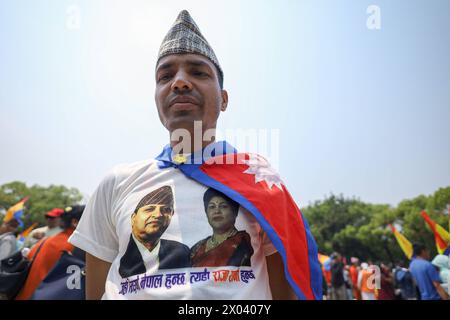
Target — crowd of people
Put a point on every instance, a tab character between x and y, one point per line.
43	246
343	279
420	280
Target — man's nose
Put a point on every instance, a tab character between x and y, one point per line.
181	83
157	213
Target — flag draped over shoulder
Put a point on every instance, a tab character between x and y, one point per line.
16	212
441	236
404	243
249	180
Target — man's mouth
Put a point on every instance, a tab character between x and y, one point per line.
182	106
183	103
153	223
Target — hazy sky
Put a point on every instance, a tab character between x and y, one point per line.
360	112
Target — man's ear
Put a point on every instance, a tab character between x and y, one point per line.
224	105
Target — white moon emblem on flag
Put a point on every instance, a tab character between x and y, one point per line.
262	170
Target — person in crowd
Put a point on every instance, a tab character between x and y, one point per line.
426	275
348	282
8	242
354	271
442	263
405	283
53	227
50	251
386	291
338	289
366	283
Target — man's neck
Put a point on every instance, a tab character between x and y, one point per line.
150	245
195	143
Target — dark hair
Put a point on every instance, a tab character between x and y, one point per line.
163	195
211	193
13	223
72	212
418	248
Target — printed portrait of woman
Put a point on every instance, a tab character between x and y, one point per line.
226	246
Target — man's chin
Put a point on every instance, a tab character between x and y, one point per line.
183	120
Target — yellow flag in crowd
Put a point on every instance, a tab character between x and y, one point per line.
16	212
403	242
441	236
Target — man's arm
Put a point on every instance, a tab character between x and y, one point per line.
440	290
96	272
280	287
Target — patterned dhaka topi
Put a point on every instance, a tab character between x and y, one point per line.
185	37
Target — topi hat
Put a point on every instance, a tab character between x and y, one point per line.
185	37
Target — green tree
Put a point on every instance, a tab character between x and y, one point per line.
355	228
40	199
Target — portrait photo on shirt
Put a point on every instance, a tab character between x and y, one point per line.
227	246
149	221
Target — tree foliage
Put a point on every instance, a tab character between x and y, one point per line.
41	199
355	228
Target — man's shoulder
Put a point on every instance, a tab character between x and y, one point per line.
173	245
8	237
124	171
419	264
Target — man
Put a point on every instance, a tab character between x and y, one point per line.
189	88
366	281
53	221
8	243
425	275
338	289
403	280
50	251
148	222
354	271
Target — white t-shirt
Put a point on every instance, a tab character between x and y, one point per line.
166	272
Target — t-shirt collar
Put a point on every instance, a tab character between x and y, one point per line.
218	148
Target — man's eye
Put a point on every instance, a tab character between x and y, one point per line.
151	208
200	73
164	77
166	210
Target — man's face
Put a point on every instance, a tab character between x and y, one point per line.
150	221
9	227
188	90
220	214
53	222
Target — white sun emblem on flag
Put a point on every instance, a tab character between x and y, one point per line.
262	170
